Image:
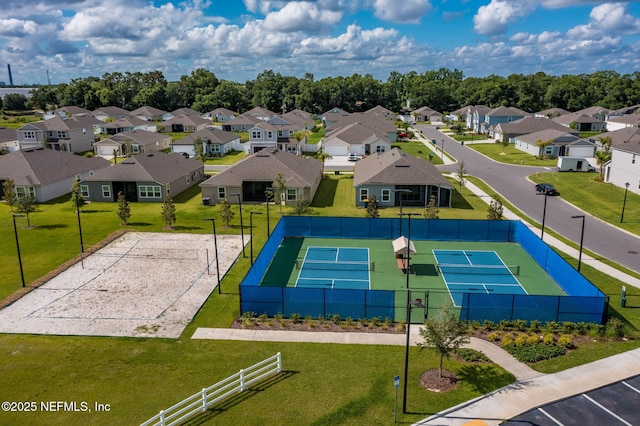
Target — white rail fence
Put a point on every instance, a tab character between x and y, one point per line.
201	401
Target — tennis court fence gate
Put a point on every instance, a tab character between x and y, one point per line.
201	401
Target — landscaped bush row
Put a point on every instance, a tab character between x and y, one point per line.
614	327
252	320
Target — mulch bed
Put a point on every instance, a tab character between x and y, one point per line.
432	381
316	326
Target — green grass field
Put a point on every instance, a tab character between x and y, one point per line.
322	385
510	155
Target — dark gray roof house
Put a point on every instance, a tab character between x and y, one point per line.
525	126
215	142
145	178
383	174
46	173
251	177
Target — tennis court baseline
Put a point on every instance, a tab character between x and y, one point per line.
476	271
335	267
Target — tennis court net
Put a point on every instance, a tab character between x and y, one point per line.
336	266
479	269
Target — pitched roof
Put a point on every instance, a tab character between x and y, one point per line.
530	124
186	111
150	167
395	167
260	112
425	110
626	139
193	120
8	134
148	111
576	117
559	137
243	119
382	127
265	165
504	111
354	133
111	111
222	110
40	166
214	135
552	112
128	121
61	124
140	136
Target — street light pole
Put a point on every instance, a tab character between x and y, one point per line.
79	194
544	214
581	216
624	203
251	233
215	243
406	351
241	226
442	151
268	192
401	191
15	231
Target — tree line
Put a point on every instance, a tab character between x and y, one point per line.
444	90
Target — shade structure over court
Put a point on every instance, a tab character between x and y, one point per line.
401	246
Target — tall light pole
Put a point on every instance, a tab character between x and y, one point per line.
442	151
544	214
241	226
401	191
79	194
251	232
406	350
269	191
15	231
581	216
215	243
624	203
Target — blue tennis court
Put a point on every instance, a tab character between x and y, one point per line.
335	267
476	271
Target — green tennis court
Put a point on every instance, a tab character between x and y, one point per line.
425	282
334	267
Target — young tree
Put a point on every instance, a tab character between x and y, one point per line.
168	212
603	156
279	189
443	334
542	145
76	195
461	173
432	211
301	207
323	156
495	210
115	156
372	208
10	197
200	150
124	210
505	141
27	204
226	213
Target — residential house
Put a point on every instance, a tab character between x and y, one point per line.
284	132
148	177
383	127
560	143
332	116
621	121
355	138
8	140
473	116
386	175
582	122
241	123
74	134
624	166
125	124
110	113
484	120
66	112
45	173
220	115
261	113
525	126
186	111
183	123
216	142
132	142
426	114
251	177
148	113
551	113
380	110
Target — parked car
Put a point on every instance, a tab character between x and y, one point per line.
546	188
352	157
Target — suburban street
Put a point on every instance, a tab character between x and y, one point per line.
510	182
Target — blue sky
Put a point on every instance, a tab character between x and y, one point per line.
238	39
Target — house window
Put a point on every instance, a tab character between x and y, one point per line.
380	148
215	148
20	192
222	193
269	135
106	191
633	159
84	190
548	150
135	148
280	133
150	191
292	194
364	194
256	134
386	195
29	134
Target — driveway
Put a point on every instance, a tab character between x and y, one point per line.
511	183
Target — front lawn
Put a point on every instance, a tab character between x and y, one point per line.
418	149
511	155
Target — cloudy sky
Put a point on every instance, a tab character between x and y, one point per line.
238	39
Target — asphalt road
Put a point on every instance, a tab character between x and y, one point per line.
510	182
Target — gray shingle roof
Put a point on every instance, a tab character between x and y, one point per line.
41	166
395	167
214	135
265	165
150	167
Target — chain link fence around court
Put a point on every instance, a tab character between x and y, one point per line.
583	301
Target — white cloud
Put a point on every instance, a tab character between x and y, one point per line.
494	18
406	11
17	27
298	16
